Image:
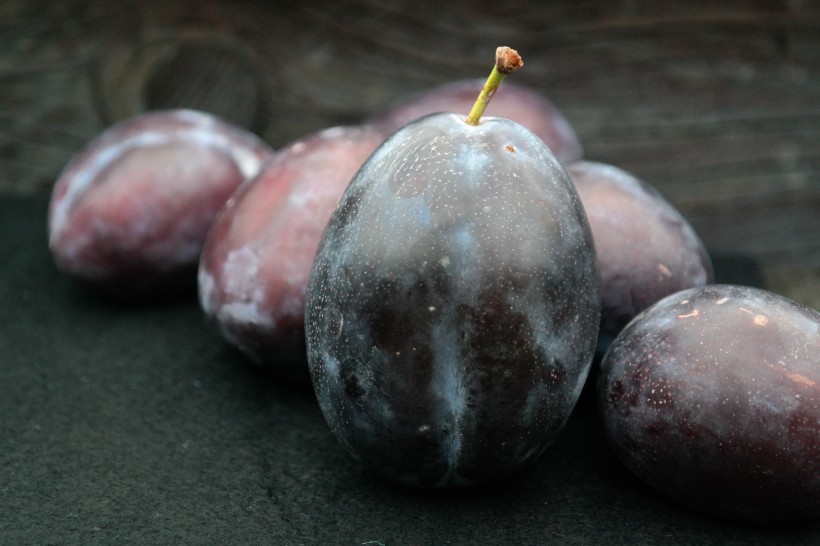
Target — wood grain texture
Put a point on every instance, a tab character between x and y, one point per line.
715	104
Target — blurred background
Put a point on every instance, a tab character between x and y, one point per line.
716	104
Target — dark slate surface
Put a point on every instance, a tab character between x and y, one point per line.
137	425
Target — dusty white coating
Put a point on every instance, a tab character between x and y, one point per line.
449	386
102	152
212	131
245	299
420	159
79	182
446	238
260	249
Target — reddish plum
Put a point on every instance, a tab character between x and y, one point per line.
254	269
645	248
712	396
129	213
515	102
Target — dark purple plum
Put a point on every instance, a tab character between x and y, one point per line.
712	396
129	213
646	249
515	102
257	258
453	306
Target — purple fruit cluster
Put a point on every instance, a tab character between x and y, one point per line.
443	286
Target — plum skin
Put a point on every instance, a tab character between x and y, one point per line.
712	396
254	268
646	249
129	213
452	308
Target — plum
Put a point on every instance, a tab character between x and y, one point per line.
130	212
254	268
646	249
453	305
515	102
712	396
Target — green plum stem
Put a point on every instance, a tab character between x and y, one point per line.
507	60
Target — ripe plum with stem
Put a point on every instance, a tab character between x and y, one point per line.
453	306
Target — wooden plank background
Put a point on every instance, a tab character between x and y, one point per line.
717	104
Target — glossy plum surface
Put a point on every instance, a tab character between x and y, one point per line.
646	249
257	258
453	305
713	397
512	101
130	212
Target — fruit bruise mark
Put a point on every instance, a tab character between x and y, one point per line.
800	378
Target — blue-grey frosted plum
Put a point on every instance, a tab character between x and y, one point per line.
646	249
453	305
712	396
512	101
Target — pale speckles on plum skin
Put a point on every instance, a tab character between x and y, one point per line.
512	101
427	354
713	397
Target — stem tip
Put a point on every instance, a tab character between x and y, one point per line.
507	60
